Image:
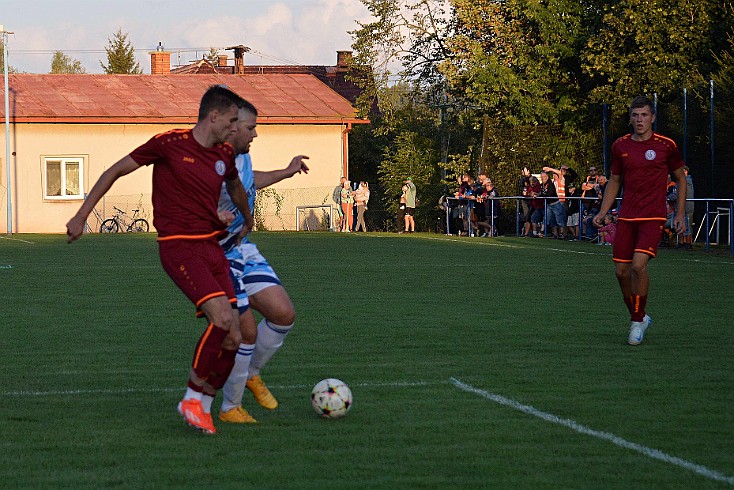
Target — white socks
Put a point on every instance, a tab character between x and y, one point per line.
192	395
206	403
269	339
234	388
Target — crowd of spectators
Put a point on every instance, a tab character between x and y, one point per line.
551	204
475	209
555	206
351	203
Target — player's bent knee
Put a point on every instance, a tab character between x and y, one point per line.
283	317
275	305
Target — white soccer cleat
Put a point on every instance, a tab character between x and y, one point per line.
637	330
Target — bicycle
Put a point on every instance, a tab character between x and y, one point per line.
87	227
120	221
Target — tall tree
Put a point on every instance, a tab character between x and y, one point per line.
120	55
658	48
62	63
2	60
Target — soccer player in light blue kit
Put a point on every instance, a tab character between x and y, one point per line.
256	284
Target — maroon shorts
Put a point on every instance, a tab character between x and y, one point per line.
634	236
199	269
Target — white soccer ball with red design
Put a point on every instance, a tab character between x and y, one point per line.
331	398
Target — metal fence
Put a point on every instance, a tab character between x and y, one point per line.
698	122
713	219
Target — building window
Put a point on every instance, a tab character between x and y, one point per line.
64	178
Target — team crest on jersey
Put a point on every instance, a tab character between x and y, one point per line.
220	167
650	154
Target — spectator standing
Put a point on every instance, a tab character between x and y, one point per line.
336	196
410	203
560	178
687	237
361	197
535	212
401	209
522	190
347	201
548	191
588	189
572	211
642	161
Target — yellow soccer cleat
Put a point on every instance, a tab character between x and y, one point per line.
262	393
237	415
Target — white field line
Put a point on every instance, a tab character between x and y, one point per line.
17	240
492	243
549	417
125	391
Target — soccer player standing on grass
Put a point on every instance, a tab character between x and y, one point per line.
189	168
641	162
255	282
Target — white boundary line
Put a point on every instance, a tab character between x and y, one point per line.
508	402
124	391
17	240
549	417
492	243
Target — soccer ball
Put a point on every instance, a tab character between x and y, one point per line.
331	398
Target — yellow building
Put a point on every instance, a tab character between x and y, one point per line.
65	130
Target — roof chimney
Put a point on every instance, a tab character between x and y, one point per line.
160	61
343	58
239	58
222	60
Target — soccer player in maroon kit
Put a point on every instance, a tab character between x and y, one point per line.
641	163
189	168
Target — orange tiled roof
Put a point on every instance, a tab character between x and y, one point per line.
169	99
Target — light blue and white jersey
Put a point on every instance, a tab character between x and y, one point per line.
247	176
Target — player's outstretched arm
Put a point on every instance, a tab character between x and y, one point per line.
239	197
75	226
296	166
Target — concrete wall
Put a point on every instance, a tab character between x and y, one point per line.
102	145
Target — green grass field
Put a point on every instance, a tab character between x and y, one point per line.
474	363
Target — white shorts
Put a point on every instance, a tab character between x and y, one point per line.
250	273
573	220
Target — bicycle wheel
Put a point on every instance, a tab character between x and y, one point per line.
109	226
139	226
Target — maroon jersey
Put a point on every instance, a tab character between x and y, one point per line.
644	167
187	181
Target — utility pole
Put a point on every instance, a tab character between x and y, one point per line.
4	35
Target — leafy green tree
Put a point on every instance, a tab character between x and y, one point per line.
212	56
723	78
538	70
406	41
2	60
62	63
120	55
659	48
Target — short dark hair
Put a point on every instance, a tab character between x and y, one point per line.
218	98
641	101
248	107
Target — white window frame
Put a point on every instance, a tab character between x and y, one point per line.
63	160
